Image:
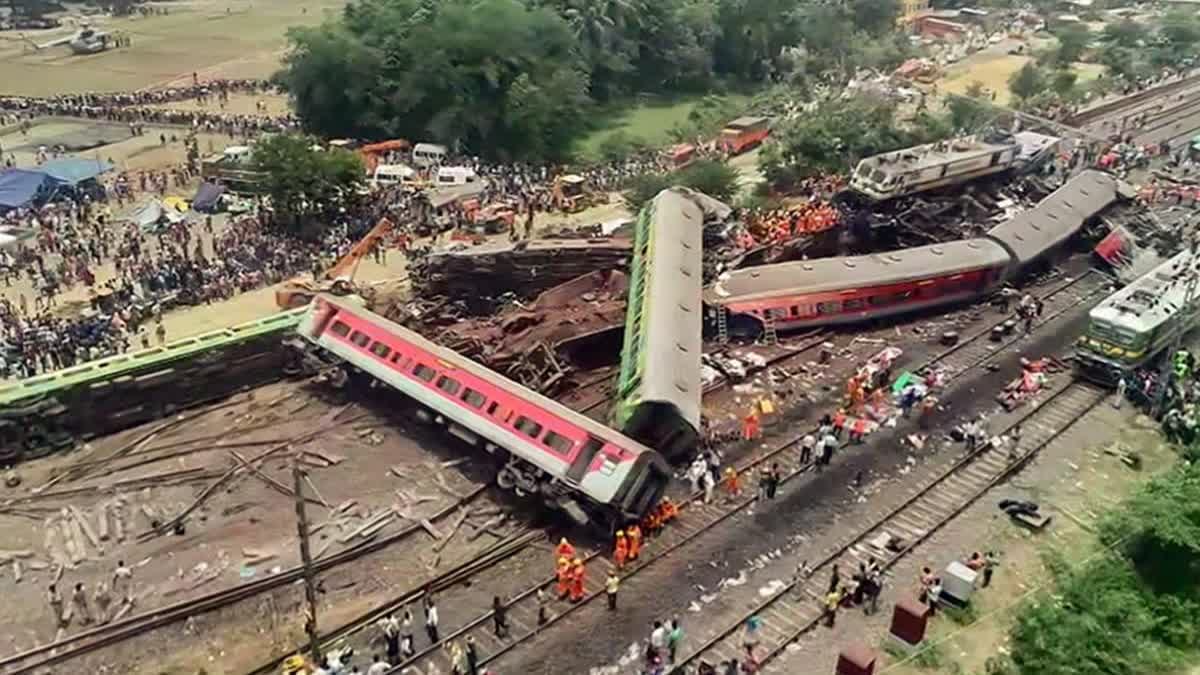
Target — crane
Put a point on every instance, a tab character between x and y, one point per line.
338	279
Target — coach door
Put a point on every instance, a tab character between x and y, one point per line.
583	460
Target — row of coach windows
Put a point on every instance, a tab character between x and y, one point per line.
557	442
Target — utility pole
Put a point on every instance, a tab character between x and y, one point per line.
310	577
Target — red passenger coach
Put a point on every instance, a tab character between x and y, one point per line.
571	462
842	290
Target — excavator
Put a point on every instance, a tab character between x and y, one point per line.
338	279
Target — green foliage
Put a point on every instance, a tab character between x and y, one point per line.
715	179
619	145
929	656
969	113
1124	33
304	182
964	616
1027	82
1062	82
1132	611
1073	39
831	139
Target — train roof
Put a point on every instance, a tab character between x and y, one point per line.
672	324
1152	298
113	366
1056	218
931	154
461	362
836	274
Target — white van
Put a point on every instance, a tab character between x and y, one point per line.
456	175
428	154
391	174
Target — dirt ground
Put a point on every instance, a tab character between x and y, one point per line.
215	38
111	142
241	519
992	67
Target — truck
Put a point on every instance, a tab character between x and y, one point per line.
231	168
742	134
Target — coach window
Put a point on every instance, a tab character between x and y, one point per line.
828	308
340	329
360	339
381	350
448	385
854	304
473	398
560	444
424	372
492	408
528	427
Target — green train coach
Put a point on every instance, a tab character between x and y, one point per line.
659	388
53	411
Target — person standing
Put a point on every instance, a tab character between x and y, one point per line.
431	619
832	599
499	617
54	598
1120	397
989	566
391	636
472	656
658	642
750	636
406	634
564	549
620	550
835	578
776	479
611	586
80	602
103	600
935	592
807	445
634	534
542	599
577	576
674	638
122	582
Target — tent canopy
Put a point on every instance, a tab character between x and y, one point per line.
18	187
153	213
74	170
206	196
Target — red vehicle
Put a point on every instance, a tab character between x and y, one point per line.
571	462
842	290
743	133
681	155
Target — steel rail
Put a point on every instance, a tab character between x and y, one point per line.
1070	404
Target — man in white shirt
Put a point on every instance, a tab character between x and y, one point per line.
658	640
378	666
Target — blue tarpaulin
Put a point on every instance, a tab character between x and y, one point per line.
74	170
18	187
207	197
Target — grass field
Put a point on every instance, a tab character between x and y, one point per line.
215	38
649	121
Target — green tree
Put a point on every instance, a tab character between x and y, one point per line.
1073	39
496	76
876	17
304	181
1124	33
832	139
1063	82
715	179
1027	82
970	112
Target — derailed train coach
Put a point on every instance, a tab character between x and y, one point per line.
840	290
54	411
543	449
659	387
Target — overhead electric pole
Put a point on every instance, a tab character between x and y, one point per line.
310	576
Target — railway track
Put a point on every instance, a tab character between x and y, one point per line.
696	518
796	608
1128	104
93	639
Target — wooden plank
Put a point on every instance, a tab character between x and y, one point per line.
86	527
102	522
458	523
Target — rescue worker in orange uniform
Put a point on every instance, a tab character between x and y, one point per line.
839	422
564	549
750	426
621	550
733	484
564	577
577	574
669	510
651	524
634	534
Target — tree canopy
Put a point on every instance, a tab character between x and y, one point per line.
304	181
715	179
517	79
